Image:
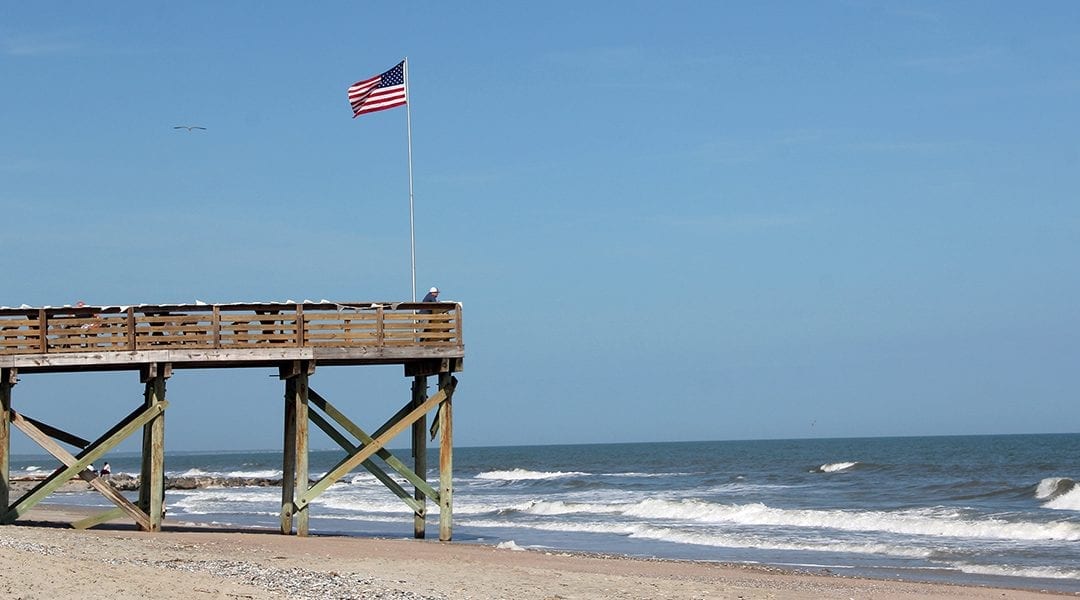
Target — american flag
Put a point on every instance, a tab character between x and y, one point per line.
380	92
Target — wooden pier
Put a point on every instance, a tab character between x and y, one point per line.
294	338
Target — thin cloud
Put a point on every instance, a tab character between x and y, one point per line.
922	16
738	223
36	46
20	165
607	58
621	67
743	151
911	147
961	62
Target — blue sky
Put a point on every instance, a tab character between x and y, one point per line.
686	221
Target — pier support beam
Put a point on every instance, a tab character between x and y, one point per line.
447	383
294	470
419	451
7	381
152	475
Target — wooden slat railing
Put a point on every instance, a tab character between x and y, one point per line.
229	326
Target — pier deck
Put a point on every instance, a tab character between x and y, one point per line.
69	338
295	338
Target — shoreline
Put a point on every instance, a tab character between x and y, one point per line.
123	562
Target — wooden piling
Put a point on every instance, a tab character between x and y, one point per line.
446	457
419	451
7	381
152	473
288	458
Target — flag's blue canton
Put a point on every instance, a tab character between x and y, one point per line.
395	76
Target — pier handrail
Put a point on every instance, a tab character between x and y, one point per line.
270	325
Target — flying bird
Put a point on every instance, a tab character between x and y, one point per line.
188	127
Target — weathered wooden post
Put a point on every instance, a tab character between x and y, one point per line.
446	458
419	450
7	381
294	469
152	475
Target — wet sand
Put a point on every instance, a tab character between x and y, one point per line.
41	558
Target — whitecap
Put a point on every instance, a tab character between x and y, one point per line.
525	475
263	474
836	467
1068	501
917	522
1052	487
720	540
1009	571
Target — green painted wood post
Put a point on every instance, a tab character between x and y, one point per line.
446	458
152	476
7	381
419	450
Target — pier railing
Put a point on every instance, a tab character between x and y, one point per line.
55	330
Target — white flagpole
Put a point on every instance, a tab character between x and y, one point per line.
412	228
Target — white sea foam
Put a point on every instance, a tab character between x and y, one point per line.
641	475
250	500
1053	486
366	517
836	467
719	540
1068	501
367	505
908	522
363	479
1009	571
742	488
525	475
1061	493
558	507
263	474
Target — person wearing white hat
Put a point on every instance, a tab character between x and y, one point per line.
432	296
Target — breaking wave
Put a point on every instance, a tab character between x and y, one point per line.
525	475
925	522
836	467
1060	493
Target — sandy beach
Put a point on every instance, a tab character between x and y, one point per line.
42	559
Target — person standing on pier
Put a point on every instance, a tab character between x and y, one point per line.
432	296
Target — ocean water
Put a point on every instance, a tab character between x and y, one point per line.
996	510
